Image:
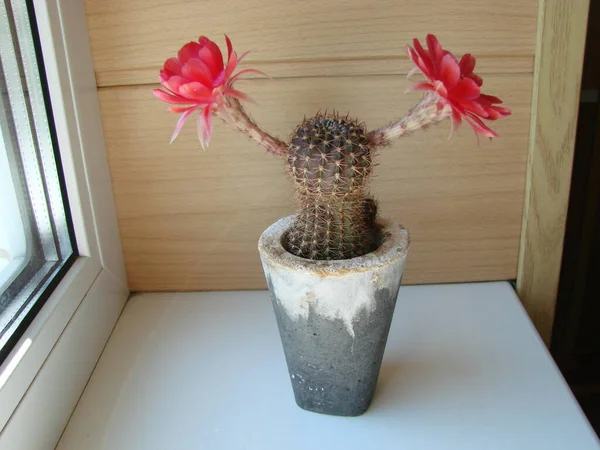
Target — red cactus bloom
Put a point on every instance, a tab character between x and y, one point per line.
198	80
457	85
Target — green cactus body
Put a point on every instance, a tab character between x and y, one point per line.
330	161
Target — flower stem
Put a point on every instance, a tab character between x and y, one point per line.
428	111
243	123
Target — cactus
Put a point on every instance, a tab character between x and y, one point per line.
329	161
329	157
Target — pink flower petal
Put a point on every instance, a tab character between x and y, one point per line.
229	47
449	71
244	72
219	80
178	110
423	54
503	111
497	112
239	95
466	88
479	127
239	60
424	62
189	51
440	88
185	116
172	67
174	83
413	71
196	92
435	51
456	119
422	86
232	63
171	98
476	78
472	106
163	77
223	112
211	55
412	54
196	70
204	127
489	100
493	115
467	64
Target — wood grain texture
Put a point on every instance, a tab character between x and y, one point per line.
190	220
131	39
557	78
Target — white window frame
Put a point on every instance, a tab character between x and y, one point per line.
44	376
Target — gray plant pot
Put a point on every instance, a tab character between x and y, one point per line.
334	317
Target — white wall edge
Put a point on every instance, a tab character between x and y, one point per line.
44	411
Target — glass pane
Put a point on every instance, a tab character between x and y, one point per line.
36	244
12	228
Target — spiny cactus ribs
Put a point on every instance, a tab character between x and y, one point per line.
329	161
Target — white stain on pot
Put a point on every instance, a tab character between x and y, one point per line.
333	297
335	290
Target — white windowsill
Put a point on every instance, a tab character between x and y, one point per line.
464	369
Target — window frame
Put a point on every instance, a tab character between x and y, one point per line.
34	165
79	315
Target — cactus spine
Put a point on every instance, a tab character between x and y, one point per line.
330	161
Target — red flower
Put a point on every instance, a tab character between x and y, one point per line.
457	85
198	80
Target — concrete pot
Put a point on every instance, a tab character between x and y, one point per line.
334	317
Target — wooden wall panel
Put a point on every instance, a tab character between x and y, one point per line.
555	106
130	39
190	219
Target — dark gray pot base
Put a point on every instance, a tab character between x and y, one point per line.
332	372
334	318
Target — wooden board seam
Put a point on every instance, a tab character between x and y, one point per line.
254	78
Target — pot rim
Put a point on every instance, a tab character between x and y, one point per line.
394	247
